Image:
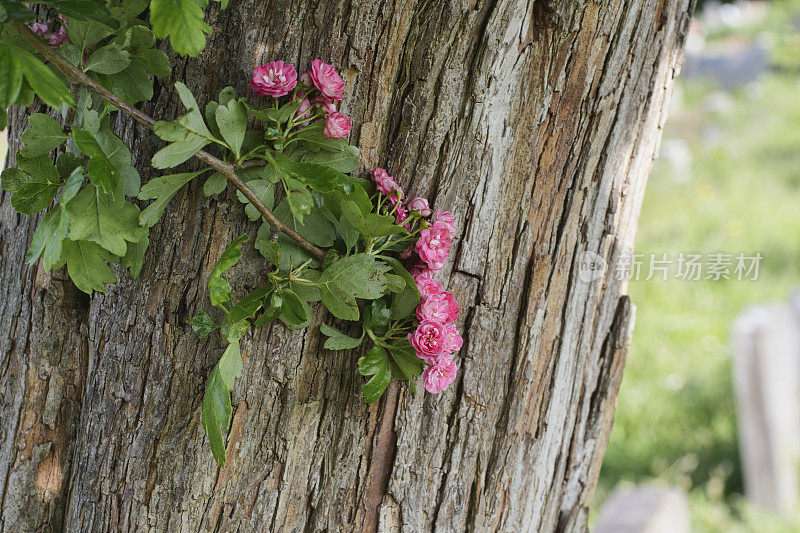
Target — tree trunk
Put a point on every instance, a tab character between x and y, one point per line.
535	122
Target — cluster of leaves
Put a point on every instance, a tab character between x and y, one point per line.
303	177
83	171
92	223
182	21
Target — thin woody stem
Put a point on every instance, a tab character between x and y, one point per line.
226	169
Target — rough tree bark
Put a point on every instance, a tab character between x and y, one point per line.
534	121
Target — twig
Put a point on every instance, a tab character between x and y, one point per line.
226	169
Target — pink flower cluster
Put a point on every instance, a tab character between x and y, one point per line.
436	337
54	38
278	79
388	187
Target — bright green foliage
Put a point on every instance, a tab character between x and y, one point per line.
188	134
109	59
92	223
86	265
181	21
217	399
42	80
218	287
43	136
355	276
162	190
339	341
33	185
110	160
376	364
231	120
99	217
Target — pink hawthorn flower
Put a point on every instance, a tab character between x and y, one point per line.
447	220
304	112
325	103
59	38
401	214
39	28
433	246
427	285
386	184
429	339
326	79
337	126
453	340
452	306
420	205
405	254
274	79
440	374
434	307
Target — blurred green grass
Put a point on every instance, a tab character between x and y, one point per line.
675	417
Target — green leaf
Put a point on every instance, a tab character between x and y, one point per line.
404	303
162	189
265	192
66	163
188	133
86	10
86	265
215	184
10	77
375	363
132	84
11	10
321	178
110	222
305	287
219	288
84	34
372	225
110	164
216	414
181	21
313	138
109	59
299	199
134	256
376	315
247	307
72	185
232	124
47	86
230	365
295	312
46	242
136	38
339	341
405	359
355	276
315	225
155	62
346	160
202	324
33	185
266	246
43	135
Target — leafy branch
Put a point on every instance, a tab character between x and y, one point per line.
226	169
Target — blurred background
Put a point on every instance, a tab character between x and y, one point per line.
707	354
